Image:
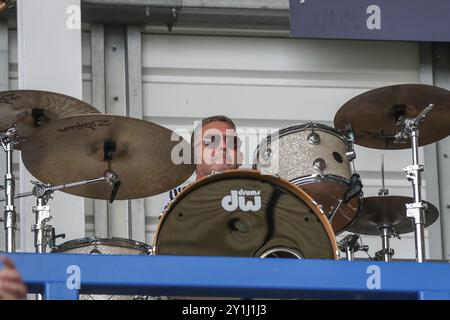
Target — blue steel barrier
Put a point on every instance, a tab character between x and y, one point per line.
56	277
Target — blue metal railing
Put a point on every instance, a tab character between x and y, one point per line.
65	276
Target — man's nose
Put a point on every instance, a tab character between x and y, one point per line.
222	144
220	148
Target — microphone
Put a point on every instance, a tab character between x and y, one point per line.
355	188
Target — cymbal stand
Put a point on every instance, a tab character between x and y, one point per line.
386	253
383	191
416	209
8	139
44	233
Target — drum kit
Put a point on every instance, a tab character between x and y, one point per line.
300	193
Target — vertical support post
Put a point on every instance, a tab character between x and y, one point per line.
426	75
134	88
386	232
415	210
117	89
50	59
4	85
116	104
4	53
98	100
441	58
10	208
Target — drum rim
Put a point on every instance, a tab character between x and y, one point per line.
309	125
108	241
321	178
248	173
297	128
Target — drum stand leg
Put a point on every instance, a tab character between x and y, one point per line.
8	140
386	253
43	234
414	174
415	210
349	253
42	231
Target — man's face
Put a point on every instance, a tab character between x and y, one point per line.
216	148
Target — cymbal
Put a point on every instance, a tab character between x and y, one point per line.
388	210
73	149
373	115
29	109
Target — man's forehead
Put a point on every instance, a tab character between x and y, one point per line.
217	125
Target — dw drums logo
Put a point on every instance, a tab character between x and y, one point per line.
237	199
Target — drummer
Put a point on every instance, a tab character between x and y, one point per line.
215	147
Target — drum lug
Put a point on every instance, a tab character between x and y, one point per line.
313	138
351	155
320	165
266	154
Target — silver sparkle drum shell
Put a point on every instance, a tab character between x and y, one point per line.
314	157
95	245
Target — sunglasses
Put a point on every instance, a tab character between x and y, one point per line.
231	141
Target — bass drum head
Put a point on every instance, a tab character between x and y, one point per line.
245	214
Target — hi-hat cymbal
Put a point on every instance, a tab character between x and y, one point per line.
73	149
391	211
373	115
29	109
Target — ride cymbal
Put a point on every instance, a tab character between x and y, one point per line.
373	115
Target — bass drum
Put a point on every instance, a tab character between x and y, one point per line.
316	158
94	245
242	213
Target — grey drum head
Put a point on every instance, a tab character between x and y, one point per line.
95	245
245	214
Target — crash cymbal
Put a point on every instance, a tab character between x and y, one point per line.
29	109
373	115
73	149
388	210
